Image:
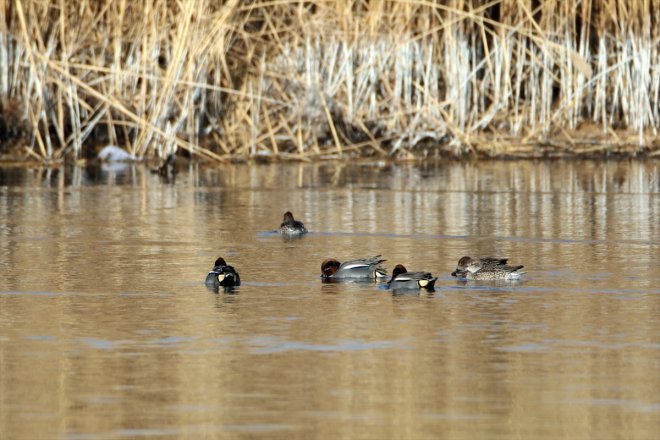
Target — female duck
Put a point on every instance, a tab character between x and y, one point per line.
291	226
402	279
222	275
486	269
361	268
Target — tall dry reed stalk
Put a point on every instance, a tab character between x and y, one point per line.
340	78
139	74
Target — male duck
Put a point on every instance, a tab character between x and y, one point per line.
222	275
291	226
402	279
486	269
359	268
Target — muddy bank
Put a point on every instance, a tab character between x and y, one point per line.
587	142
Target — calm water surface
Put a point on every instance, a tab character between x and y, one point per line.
107	330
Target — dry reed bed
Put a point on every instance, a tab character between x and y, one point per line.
331	79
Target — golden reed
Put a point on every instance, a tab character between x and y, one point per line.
302	80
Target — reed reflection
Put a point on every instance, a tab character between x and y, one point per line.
106	328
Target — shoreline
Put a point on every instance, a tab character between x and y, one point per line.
576	144
550	151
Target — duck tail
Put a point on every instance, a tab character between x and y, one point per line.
380	272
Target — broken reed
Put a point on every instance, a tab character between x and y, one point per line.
309	79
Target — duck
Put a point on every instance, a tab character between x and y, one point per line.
486	269
359	268
291	226
402	279
464	262
223	275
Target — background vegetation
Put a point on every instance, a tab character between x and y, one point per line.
235	79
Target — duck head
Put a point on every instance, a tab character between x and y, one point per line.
329	267
462	265
398	270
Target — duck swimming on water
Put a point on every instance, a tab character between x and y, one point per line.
402	279
360	268
486	269
291	226
223	275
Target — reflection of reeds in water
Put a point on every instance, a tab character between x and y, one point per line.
518	362
348	77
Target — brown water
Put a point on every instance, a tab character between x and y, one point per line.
107	330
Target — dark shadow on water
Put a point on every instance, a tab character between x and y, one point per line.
420	293
292	238
407	291
285	238
229	290
490	285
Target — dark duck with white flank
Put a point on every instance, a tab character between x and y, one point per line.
222	275
402	279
